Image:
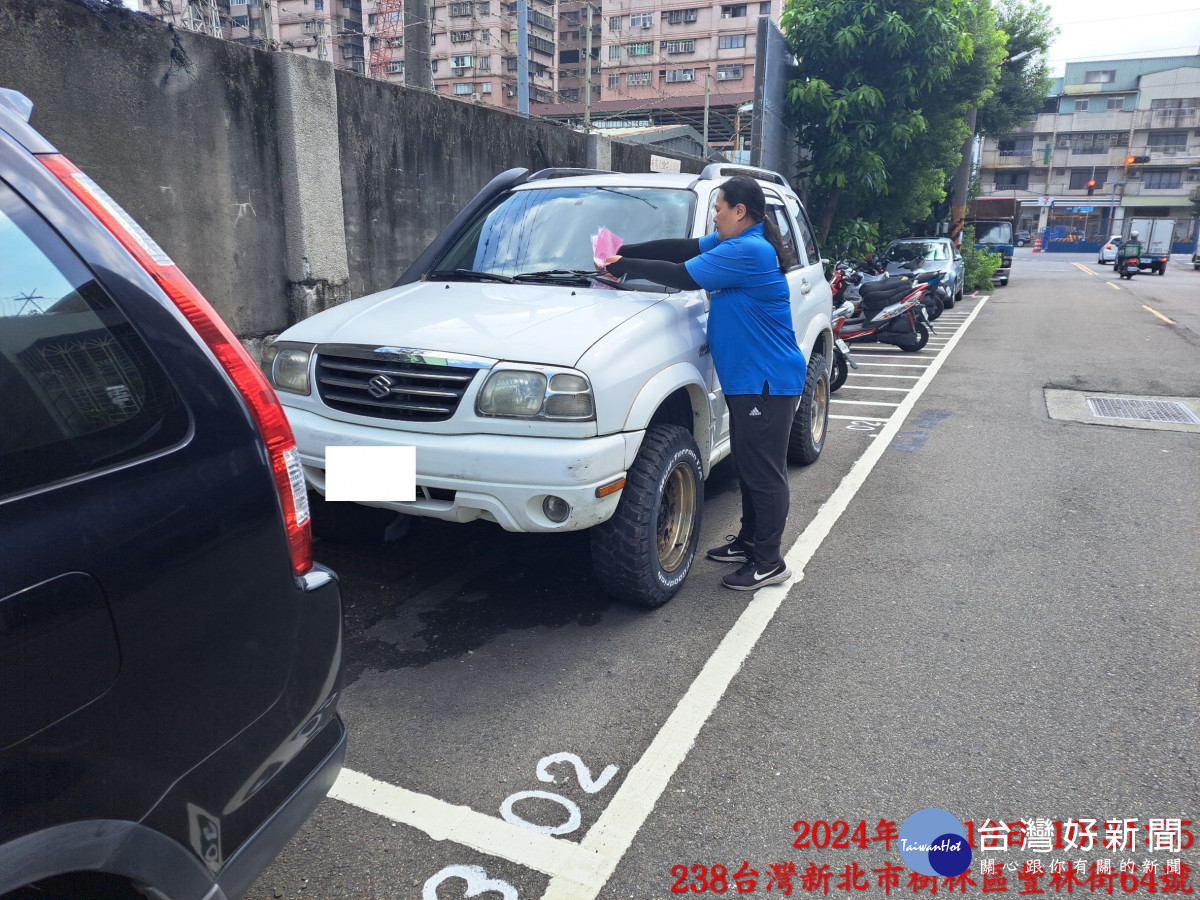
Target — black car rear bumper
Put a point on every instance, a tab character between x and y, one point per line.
264	845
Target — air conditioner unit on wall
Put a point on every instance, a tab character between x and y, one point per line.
477	97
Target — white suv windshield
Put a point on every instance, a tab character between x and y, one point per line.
550	229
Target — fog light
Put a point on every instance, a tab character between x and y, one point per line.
556	509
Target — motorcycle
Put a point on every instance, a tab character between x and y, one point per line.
842	360
845	281
937	298
891	312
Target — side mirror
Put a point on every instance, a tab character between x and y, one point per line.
824	261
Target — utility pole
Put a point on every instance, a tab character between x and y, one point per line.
523	57
268	21
706	115
587	77
417	73
962	182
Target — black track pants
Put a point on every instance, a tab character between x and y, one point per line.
759	426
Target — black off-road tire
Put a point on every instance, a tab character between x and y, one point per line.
643	553
811	423
841	371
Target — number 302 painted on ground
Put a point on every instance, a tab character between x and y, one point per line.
475	876
574	817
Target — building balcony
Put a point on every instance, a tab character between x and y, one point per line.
1167	118
1008	159
1180	154
1139	189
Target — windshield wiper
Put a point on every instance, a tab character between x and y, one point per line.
471	273
621	193
576	275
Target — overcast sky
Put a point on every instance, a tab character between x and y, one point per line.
1122	29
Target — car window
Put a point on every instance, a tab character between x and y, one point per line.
79	389
808	237
908	250
551	228
779	214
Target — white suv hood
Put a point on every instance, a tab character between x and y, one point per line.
537	323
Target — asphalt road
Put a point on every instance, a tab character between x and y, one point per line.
997	616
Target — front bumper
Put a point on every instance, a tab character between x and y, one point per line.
499	478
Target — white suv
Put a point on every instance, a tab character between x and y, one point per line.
538	398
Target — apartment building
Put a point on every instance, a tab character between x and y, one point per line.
332	30
1116	139
652	62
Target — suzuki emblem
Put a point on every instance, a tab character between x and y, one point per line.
379	386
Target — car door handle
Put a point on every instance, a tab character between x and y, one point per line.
805	287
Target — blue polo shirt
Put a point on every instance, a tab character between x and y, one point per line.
750	315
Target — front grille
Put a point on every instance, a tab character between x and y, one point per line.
391	389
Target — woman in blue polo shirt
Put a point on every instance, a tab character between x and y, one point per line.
756	356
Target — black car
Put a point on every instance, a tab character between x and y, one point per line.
170	656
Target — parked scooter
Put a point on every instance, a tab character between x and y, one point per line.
843	362
891	312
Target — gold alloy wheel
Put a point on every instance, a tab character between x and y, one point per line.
820	406
676	517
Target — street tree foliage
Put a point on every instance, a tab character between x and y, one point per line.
1024	83
879	104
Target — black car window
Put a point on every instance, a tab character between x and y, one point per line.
785	230
79	389
808	237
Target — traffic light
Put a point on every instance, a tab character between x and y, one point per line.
1091	186
1135	160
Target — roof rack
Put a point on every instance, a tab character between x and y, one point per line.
717	170
545	174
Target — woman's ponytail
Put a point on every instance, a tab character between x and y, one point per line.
747	192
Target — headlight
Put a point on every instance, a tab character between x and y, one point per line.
513	393
524	394
288	365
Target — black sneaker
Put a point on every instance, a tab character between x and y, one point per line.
753	575
733	551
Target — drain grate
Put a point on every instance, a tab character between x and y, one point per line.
1141	410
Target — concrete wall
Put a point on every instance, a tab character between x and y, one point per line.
183	134
280	186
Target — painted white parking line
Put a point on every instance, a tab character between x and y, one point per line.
869	375
444	821
862	402
858	387
860	418
891	365
618	825
899	354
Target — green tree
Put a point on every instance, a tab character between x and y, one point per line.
1024	83
879	106
919	176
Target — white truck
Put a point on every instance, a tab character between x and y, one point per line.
1155	236
538	398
